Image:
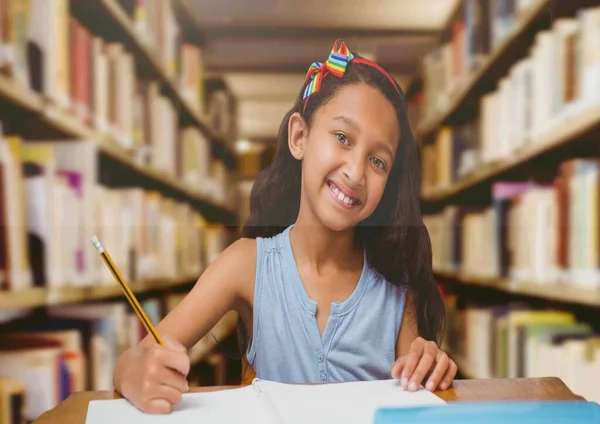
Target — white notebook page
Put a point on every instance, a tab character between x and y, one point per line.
348	403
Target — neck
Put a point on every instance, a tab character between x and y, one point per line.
322	247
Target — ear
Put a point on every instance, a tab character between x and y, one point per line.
297	135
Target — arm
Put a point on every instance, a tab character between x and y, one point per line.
221	288
409	330
225	285
417	358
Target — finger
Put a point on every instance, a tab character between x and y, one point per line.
168	393
397	366
413	358
172	378
174	344
176	360
157	406
449	375
422	369
439	371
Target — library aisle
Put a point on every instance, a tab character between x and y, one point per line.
146	122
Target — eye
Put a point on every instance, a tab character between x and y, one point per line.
379	163
342	138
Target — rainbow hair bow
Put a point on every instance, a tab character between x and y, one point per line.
336	64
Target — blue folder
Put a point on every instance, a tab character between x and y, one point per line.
498	412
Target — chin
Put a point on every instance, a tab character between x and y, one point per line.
334	224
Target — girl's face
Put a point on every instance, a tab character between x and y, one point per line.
347	155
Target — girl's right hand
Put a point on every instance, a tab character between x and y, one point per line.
154	379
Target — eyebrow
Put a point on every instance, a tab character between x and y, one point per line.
384	146
346	120
380	145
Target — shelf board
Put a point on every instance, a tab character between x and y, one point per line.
566	293
110	147
26	298
19	95
68	124
499	56
38	297
224	327
561	135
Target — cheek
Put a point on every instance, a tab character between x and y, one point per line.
376	187
322	159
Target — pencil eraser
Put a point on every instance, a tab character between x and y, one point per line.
97	244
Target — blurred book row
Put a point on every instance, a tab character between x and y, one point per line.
538	233
61	48
53	202
515	340
67	65
545	99
476	32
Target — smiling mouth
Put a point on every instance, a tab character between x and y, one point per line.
341	198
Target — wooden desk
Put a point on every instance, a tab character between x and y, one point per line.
74	409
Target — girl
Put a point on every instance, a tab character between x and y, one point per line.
332	277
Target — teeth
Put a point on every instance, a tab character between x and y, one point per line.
342	197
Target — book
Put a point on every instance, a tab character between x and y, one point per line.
272	402
531	412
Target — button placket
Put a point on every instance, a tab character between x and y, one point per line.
320	358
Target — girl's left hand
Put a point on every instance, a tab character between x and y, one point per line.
424	359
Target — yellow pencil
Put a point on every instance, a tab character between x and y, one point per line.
126	290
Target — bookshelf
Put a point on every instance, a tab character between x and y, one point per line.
563	293
38	297
109	126
579	129
507	115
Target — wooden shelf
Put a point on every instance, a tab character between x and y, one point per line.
12	92
96	13
110	147
38	297
67	124
567	132
511	43
565	293
224	327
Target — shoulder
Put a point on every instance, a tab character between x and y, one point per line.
235	265
239	261
239	257
396	291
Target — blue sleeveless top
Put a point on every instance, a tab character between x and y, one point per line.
358	342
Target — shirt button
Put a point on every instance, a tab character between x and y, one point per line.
323	376
320	357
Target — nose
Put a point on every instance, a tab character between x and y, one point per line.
354	168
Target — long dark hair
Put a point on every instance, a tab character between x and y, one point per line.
394	236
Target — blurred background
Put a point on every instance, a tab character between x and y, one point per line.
145	122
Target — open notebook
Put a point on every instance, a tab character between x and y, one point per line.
268	402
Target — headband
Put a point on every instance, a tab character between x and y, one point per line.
336	64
